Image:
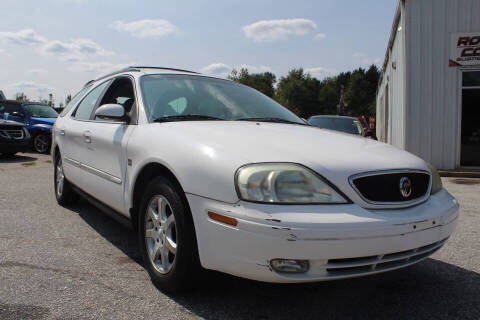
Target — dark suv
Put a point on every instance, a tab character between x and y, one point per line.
13	138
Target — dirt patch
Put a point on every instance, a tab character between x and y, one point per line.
466	181
28	164
22	311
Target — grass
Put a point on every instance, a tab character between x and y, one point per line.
48	161
28	164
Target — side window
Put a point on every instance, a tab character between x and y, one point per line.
120	92
84	110
76	98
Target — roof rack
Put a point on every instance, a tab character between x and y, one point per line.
163	68
136	69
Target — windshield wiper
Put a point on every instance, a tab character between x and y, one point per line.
185	117
276	120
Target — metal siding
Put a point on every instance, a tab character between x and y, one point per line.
432	102
391	128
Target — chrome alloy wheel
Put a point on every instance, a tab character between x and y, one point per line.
160	234
59	177
41	143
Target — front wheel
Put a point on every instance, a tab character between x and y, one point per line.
63	190
42	142
166	236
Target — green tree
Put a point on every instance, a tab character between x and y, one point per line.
299	92
20	96
263	82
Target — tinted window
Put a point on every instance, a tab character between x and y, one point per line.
9	108
41	111
338	124
471	79
84	110
167	95
76	98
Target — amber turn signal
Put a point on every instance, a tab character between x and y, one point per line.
222	219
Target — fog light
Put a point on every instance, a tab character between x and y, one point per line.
289	265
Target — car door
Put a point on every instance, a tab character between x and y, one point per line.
104	159
72	136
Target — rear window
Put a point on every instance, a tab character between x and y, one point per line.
76	98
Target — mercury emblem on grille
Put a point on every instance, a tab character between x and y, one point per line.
405	187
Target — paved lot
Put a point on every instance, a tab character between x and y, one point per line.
77	263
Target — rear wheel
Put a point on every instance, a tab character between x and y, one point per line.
42	142
166	236
63	190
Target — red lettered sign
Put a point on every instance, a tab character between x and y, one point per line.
464	49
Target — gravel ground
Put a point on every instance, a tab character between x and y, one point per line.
76	263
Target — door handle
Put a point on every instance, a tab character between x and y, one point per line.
86	137
62	132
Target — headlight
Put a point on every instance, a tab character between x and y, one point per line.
436	180
284	183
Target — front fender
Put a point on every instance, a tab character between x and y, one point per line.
37	128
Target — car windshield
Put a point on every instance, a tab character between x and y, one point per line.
347	125
41	111
200	98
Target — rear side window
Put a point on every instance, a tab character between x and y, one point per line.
76	98
84	110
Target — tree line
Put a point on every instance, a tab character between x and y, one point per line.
307	96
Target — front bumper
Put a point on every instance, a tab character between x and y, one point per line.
11	145
339	241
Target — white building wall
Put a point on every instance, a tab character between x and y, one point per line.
391	113
433	109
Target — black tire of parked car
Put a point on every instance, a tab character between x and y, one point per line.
42	142
186	267
68	195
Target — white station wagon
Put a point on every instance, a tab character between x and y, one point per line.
211	173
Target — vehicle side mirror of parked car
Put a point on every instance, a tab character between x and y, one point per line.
111	111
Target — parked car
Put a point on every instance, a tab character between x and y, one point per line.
212	173
344	124
38	120
13	138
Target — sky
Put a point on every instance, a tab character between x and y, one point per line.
56	46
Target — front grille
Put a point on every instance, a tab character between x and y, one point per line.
16	134
385	187
365	265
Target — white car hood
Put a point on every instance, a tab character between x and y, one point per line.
227	145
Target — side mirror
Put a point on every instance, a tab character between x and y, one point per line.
111	111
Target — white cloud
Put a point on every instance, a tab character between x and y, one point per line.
370	61
22	37
74	50
217	69
271	30
221	69
254	69
147	28
30	86
320	36
35	72
321	72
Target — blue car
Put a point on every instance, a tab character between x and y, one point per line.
38	120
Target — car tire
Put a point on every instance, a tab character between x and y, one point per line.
164	219
42	142
62	188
